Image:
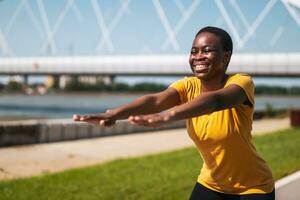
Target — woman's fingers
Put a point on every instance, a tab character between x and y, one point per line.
76	117
105	119
80	117
142	119
107	123
152	120
88	117
97	119
136	120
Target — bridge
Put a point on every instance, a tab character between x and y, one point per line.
50	38
275	64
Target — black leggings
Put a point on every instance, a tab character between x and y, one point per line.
202	193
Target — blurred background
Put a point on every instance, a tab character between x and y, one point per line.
63	57
58	58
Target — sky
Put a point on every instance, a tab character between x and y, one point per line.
133	27
141	27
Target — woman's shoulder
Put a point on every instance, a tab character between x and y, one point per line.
186	84
190	80
239	77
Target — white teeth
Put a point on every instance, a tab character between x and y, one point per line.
201	67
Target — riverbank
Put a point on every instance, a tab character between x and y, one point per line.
123	93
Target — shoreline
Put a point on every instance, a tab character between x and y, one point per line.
79	93
125	93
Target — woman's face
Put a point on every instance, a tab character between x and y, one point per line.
207	57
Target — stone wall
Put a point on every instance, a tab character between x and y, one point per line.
44	131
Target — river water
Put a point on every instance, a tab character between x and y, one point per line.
65	105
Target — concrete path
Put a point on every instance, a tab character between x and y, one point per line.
288	188
23	161
31	160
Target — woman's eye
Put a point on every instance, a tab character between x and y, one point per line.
193	51
209	50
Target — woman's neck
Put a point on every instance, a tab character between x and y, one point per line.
213	84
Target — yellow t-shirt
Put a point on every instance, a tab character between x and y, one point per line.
223	138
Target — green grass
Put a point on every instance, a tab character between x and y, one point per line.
163	176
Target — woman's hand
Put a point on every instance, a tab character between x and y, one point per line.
152	120
102	119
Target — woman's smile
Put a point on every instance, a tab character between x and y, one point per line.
201	68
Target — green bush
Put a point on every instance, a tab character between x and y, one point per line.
2	87
294	90
271	90
75	85
277	90
14	86
151	87
270	110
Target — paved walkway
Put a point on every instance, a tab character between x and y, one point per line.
288	187
23	161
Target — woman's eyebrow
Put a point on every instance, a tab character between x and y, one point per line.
203	46
210	46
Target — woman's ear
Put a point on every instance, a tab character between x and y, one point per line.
226	58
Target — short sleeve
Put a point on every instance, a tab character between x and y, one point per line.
180	87
245	82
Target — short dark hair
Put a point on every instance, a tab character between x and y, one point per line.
222	34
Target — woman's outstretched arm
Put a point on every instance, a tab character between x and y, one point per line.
204	104
147	104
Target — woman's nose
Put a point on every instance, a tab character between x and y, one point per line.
199	55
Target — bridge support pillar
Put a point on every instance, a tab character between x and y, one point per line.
57	81
63	80
52	82
108	79
25	79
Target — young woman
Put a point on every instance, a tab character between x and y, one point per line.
219	112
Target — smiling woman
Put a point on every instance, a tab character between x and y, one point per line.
218	109
209	55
